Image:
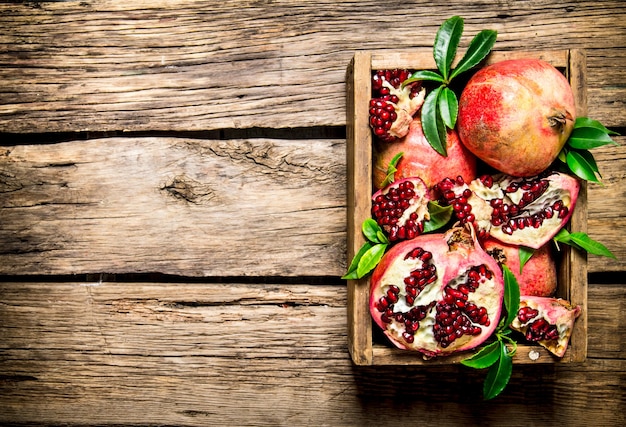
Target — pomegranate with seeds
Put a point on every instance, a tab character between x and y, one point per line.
516	115
538	276
401	208
547	321
438	293
392	106
519	211
420	159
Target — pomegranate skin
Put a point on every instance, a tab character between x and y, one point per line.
516	115
538	276
421	160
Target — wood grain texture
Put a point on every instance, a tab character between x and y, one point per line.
174	205
226	163
192	354
207	207
197	65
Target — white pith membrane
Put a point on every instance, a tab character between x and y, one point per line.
452	266
557	312
406	107
417	205
560	187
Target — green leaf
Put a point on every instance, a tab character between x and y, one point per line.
370	259
525	254
351	274
563	155
486	357
478	49
498	375
432	125
424	75
394	162
585	122
439	216
504	335
591	246
448	106
582	241
446	42
587	138
588	156
562	236
391	170
371	230
581	167
511	295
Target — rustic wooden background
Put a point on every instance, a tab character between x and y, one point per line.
173	216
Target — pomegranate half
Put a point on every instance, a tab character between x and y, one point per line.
438	293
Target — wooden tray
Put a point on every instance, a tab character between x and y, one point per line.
366	349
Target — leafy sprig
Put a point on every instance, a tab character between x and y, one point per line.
583	242
440	109
370	253
576	155
391	170
498	355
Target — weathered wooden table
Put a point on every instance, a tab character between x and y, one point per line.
173	216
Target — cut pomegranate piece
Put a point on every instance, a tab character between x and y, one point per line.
547	321
438	293
401	208
392	107
518	211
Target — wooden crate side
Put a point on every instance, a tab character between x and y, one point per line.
525	354
359	172
576	261
418	59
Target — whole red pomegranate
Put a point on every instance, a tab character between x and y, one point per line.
547	321
538	276
421	160
437	293
516	115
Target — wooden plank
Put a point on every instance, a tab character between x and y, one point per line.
174	205
359	171
191	65
132	205
192	354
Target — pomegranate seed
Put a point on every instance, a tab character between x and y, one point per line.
382	304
